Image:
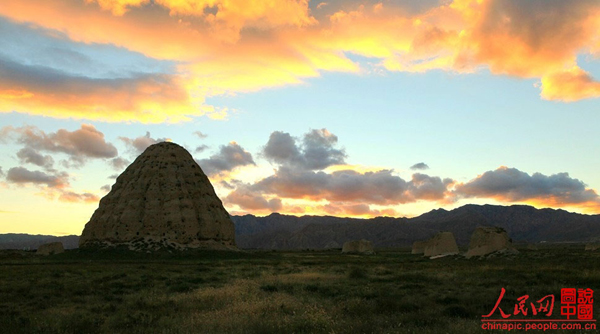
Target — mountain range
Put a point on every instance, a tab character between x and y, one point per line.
276	231
523	223
32	242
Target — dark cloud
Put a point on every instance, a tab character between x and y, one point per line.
556	22
315	151
200	134
381	187
249	200
56	184
139	144
105	188
231	184
419	166
114	176
22	175
119	163
227	185
2	174
29	155
73	162
319	151
79	145
513	185
34	47
300	176
46	80
281	148
73	197
322	10
54	92
229	157
425	187
201	148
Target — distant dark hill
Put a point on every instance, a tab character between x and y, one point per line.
32	242
523	224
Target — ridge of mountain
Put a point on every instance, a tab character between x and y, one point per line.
25	241
523	224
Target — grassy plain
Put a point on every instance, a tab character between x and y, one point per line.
277	292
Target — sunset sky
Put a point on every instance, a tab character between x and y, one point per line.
344	108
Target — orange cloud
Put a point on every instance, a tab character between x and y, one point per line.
589	207
356	210
253	202
569	85
464	35
118	7
226	17
73	197
47	92
206	65
10	94
258	205
227	47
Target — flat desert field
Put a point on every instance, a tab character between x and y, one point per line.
279	292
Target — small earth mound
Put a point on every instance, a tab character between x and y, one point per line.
418	247
358	247
50	249
443	243
488	240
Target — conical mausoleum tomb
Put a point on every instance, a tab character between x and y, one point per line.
163	199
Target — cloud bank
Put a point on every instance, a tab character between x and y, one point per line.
224	47
512	185
301	175
21	175
79	145
302	183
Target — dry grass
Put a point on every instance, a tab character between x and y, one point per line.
274	292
